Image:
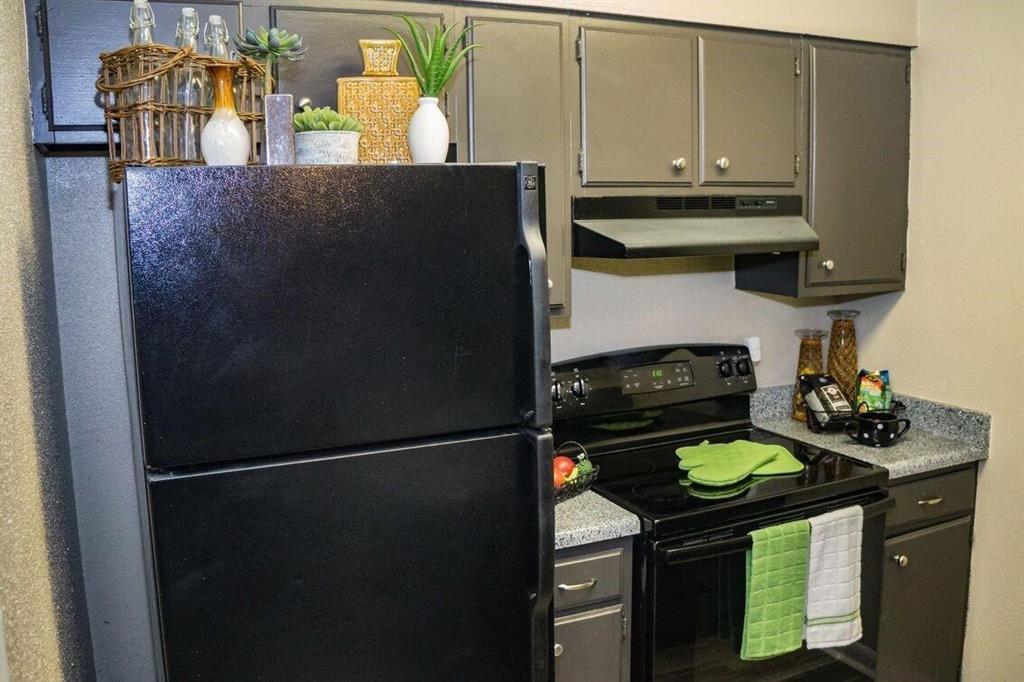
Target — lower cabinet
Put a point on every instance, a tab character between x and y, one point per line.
593	593
589	646
924	586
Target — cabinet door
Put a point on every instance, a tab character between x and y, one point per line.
859	151
749	114
332	35
515	90
921	632
588	646
637	97
77	31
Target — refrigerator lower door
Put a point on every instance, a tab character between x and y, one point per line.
426	562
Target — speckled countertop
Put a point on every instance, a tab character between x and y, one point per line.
591	518
940	436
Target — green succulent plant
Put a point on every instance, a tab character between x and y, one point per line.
324	118
269	47
434	60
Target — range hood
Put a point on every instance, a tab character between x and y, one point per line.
658	227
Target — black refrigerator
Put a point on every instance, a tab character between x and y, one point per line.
340	379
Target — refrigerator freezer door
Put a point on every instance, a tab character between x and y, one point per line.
286	309
431	562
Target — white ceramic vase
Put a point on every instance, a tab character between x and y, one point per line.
225	140
428	133
327	147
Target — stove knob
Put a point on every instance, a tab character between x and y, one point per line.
556	392
725	369
742	367
580	388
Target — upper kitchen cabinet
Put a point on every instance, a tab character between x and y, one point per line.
332	34
749	94
66	38
860	150
637	104
515	95
859	137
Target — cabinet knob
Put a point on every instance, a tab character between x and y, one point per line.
679	164
829	264
901	560
558	649
723	163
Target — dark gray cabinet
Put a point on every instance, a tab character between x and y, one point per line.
66	38
593	612
637	105
514	94
859	150
925	578
588	646
749	93
921	631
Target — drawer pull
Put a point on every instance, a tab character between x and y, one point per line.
578	587
901	560
929	501
558	649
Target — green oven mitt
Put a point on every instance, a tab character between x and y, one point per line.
722	464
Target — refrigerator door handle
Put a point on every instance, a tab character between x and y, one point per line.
536	403
543	624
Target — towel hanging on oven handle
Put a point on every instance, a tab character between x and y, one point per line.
702	550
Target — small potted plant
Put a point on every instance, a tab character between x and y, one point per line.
323	136
433	63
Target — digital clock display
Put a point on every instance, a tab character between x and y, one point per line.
661	377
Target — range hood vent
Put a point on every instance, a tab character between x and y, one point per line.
650	227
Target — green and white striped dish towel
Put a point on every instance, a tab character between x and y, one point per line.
832	607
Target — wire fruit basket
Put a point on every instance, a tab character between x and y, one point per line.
582	482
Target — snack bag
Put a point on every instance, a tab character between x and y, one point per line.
873	391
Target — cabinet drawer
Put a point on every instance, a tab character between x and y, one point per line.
588	579
588	646
935	497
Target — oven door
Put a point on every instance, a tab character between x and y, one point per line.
697	602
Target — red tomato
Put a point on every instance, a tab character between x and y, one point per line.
559	478
564	464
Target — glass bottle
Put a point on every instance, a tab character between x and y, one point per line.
842	351
215	37
142	131
190	89
809	362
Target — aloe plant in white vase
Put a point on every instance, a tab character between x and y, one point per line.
434	61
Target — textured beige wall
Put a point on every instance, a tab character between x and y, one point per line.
882	21
26	594
957	333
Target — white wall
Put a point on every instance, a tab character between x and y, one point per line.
957	333
881	21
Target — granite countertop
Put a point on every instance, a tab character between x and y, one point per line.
591	518
940	436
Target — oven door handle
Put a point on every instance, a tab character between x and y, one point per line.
678	555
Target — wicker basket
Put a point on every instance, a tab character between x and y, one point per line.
140	85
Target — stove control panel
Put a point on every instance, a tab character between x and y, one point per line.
649	377
660	377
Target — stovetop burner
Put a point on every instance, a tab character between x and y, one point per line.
647	480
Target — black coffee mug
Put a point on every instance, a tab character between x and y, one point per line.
878	429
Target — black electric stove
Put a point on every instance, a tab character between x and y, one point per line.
631	410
